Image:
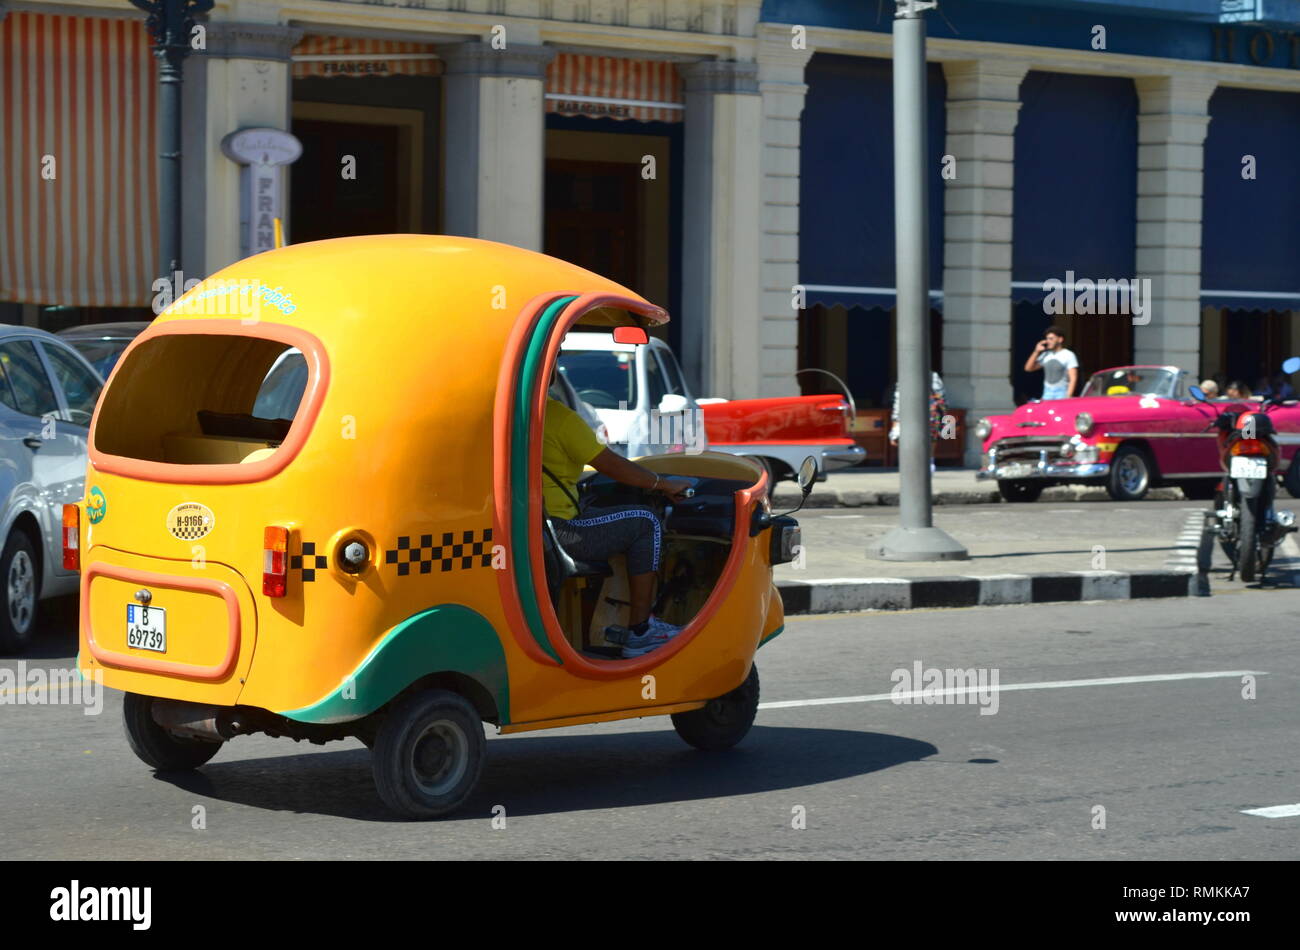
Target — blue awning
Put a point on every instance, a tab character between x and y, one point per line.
1076	181
831	295
1076	294
846	195
1250	232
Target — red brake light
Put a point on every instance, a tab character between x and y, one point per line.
1249	447
275	561
71	538
636	335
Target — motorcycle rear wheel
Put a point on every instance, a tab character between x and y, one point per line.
1247	543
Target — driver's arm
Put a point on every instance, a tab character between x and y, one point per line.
638	476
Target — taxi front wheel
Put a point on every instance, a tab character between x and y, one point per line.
721	722
428	755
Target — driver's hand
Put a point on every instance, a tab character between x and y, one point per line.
673	487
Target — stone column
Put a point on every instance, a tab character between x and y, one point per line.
495	136
721	325
242	80
983	107
781	84
1173	118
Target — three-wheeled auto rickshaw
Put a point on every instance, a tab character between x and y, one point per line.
364	553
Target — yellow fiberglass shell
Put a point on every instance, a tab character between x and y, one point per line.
401	442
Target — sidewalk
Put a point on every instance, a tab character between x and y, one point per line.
1019	554
864	486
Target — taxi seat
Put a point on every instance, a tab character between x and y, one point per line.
560	566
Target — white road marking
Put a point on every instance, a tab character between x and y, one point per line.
1011	687
1274	811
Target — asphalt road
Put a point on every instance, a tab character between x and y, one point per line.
1173	763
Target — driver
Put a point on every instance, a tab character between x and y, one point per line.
568	444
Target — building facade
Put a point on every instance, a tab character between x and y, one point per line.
730	159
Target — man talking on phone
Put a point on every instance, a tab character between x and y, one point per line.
1060	366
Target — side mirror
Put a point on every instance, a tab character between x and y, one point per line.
807	475
672	402
1197	393
1291	366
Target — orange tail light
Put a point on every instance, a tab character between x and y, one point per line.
71	537
275	561
1249	447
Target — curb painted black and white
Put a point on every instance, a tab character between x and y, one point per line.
897	593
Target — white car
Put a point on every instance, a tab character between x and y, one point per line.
47	396
637	392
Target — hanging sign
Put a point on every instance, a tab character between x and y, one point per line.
262	153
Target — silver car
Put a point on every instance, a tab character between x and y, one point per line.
47	396
102	344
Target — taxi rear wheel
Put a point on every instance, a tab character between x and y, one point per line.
721	722
154	745
428	755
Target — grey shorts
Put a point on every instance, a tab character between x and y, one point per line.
599	533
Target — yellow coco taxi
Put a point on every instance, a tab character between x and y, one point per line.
314	509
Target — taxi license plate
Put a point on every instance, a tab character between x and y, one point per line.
1017	470
146	628
1244	466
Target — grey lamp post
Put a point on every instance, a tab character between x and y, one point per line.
915	538
171	24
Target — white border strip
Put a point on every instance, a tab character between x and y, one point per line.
847	289
610	101
361	57
1262	294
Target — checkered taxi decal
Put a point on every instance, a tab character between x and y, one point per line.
412	551
465	553
309	562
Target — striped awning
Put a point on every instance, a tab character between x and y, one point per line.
335	56
78	142
609	87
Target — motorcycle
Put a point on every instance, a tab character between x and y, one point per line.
1245	521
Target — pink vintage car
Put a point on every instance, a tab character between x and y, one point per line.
1131	429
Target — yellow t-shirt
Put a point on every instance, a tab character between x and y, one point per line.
568	444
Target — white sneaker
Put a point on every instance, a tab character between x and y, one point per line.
663	626
657	634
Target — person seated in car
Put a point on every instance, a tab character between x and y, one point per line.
569	444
